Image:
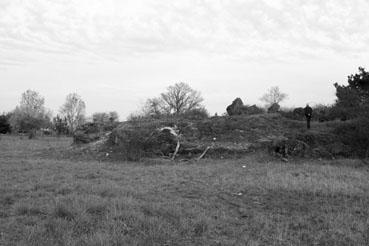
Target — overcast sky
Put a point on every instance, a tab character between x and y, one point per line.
116	53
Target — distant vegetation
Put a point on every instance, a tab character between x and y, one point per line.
30	115
4	123
181	104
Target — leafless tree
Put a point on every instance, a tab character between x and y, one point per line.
154	107
180	98
273	96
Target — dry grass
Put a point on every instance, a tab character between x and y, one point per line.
252	201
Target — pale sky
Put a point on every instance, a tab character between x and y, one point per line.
116	53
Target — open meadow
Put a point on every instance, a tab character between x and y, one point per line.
49	199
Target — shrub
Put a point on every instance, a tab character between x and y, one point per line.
86	133
324	113
356	135
60	125
293	113
131	141
196	114
139	139
4	124
106	121
61	211
321	113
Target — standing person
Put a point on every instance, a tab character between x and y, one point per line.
308	114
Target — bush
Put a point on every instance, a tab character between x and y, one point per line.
293	114
321	113
324	113
4	124
196	114
132	140
87	133
355	134
60	125
106	121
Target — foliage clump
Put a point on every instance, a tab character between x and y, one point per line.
353	103
5	124
30	115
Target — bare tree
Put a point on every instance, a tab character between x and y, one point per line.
273	96
74	111
181	98
154	107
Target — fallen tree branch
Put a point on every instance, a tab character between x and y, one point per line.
175	152
204	153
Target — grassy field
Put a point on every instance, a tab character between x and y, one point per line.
256	200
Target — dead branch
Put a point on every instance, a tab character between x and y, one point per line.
204	153
176	151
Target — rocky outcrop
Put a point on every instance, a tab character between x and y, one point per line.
274	108
238	108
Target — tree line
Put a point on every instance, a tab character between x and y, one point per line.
31	116
178	100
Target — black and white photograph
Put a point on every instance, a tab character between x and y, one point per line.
184	122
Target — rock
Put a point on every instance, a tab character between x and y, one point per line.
253	110
81	137
236	107
299	113
274	108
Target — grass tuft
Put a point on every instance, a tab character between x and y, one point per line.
97	210
200	228
7	200
63	212
27	210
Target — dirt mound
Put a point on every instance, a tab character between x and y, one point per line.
222	137
216	137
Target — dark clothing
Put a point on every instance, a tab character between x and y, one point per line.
308	114
308	122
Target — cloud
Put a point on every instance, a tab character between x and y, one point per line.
250	29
